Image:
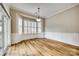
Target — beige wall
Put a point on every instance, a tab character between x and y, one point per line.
67	21
13	20
64	26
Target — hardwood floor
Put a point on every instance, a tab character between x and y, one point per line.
42	47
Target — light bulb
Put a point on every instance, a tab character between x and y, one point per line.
38	19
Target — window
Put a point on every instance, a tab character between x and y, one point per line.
0	28
28	26
25	27
0	22
4	29
39	27
19	25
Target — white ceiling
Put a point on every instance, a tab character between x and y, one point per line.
46	9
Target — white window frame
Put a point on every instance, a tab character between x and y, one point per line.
32	26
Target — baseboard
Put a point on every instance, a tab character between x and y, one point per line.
19	37
62	42
25	40
3	53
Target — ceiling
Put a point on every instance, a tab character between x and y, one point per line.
46	9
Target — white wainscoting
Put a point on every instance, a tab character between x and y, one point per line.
19	37
70	38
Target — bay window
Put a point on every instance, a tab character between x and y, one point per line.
28	26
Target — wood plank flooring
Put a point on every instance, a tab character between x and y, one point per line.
42	47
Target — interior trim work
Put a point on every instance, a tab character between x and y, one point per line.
23	35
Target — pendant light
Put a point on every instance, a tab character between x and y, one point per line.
38	17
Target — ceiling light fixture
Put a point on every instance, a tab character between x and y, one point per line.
38	17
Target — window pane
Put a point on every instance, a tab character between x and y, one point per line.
34	30
39	24
39	27
31	24
30	27
29	30
25	30
0	23
25	23
20	29
0	28
39	30
0	15
34	25
28	23
20	21
19	25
